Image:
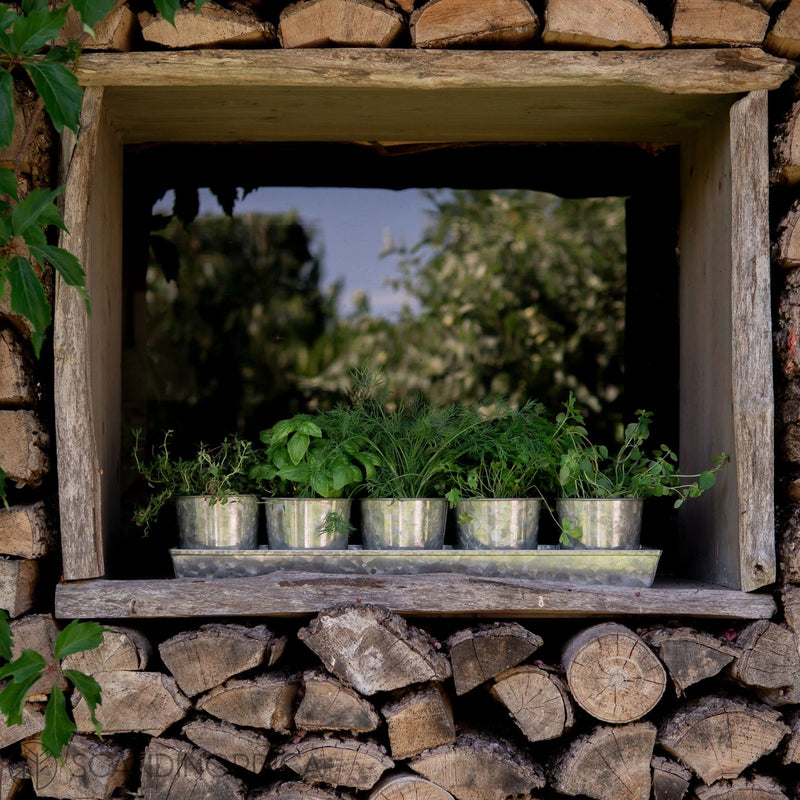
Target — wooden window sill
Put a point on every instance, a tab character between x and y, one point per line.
288	594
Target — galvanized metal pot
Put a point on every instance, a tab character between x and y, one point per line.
498	523
207	523
297	524
604	524
403	523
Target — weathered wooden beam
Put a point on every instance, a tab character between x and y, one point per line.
297	593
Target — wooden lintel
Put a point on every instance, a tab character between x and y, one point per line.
295	593
711	71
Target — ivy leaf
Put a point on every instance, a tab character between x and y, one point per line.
68	267
78	636
8	183
92	11
6	113
6	637
58	727
30	663
30	210
60	91
28	299
167	9
12	699
90	689
34	31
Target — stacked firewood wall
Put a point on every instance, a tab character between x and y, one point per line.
358	703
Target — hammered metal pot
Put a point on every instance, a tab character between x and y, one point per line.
207	523
403	523
498	524
604	524
296	524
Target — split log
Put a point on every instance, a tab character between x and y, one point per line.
373	650
26	531
143	702
122	649
212	26
464	23
479	767
783	38
335	761
18	384
786	242
420	720
759	787
297	790
262	702
114	33
786	146
718	737
601	24
178	771
24	443
767	656
609	763
690	656
13	776
537	700
612	674
32	723
719	22
38	632
244	748
343	23
18	582
670	779
204	658
89	768
328	704
790	749
408	787
478	654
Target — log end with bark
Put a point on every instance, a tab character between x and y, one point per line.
419	720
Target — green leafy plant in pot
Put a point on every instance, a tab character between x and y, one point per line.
499	480
416	447
212	492
314	467
602	491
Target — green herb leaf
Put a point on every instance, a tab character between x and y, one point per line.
309	428
92	11
28	299
60	91
706	480
90	689
67	266
78	636
58	727
6	637
297	447
7	114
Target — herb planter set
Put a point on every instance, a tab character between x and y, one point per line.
493	465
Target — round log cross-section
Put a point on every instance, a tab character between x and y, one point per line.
612	674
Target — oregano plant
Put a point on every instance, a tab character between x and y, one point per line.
23	672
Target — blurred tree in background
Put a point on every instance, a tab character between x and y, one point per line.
513	292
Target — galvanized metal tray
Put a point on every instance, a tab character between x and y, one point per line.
614	567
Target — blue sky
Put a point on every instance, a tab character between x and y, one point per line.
353	226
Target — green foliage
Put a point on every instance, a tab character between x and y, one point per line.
509	455
314	456
22	673
25	53
218	472
590	470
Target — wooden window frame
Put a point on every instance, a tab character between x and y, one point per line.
711	102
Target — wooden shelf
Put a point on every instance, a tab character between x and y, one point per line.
414	95
440	595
